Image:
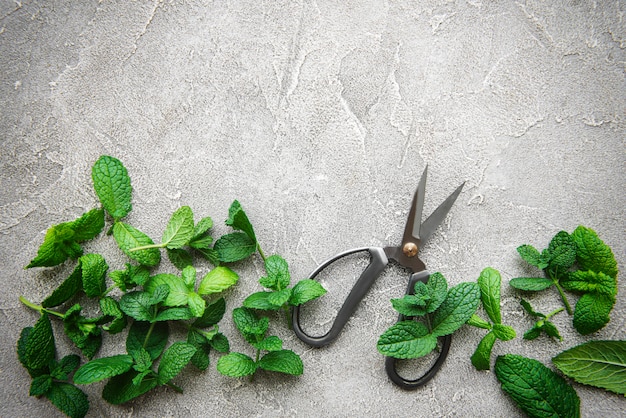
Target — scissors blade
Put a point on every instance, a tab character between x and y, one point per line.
439	214
414	220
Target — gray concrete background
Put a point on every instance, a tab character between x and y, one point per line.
319	117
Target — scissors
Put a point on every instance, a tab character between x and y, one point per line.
406	254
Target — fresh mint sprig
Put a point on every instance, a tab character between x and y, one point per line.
543	324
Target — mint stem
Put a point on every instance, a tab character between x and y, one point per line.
40	308
148	247
258	247
148	334
175	387
568	308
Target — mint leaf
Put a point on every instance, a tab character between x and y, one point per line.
236	365
261	301
592	253
180	229
179	292
271	343
103	368
138	305
278	276
202	227
532	256
151	337
279	298
592	312
63	368
120	389
531	283
179	257
596	363
304	291
537	390
174	360
234	247
40	385
438	290
93	268
282	361
406	339
69	399
36	346
477	321
112	185
503	332
425	299
528	308
238	219
174	314
590	282
84	332
111	308
213	313
481	357
196	304
66	290
248	323
129	238
459	306
489	282
217	280
562	250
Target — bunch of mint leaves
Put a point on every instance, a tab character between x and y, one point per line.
152	303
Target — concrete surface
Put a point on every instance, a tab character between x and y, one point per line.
319	116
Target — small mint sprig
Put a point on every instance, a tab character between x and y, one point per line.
543	324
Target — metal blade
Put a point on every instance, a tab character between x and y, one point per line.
439	214
414	220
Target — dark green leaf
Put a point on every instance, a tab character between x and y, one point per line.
406	339
69	399
220	343
489	282
142	359
282	361
248	323
532	333
306	290
103	368
531	283
537	390
234	247
532	256
94	269
238	219
151	337
278	277
38	345
552	330
526	305
213	314
180	228
562	251
236	365
200	359
88	226
121	389
202	227
138	305
67	365
596	363
438	287
84	332
129	238
179	258
459	306
112	185
110	307
174	314
481	357
592	253
174	359
66	290
58	245
40	385
592	312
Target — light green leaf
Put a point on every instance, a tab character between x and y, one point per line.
217	280
260	300
138	305
590	281
94	268
202	226
537	390
238	219
236	365
174	314
128	238
179	257
438	287
481	357
234	247
459	306
503	332
592	253
179	229
278	277
174	360
111	308
88	226
596	363
489	282
406	339
103	368
282	361
179	292
306	290
477	321
562	251
531	283
280	297
271	343
196	304
112	185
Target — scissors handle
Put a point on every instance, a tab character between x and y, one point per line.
378	262
390	362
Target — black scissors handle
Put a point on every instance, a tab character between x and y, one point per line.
390	362
378	262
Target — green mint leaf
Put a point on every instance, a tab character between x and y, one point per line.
596	363
220	343
22	353
40	385
94	268
217	280
503	332
406	339
58	245
112	185
532	256
551	330
174	360
213	313
69	399
84	332
67	365
151	337
138	305
459	306
279	298
562	251
188	274
537	390
121	389
271	343
251	326
130	277
111	308
533	333
180	228
200	359
481	357
438	287
174	314
179	292
526	305
261	301
477	321
142	360
38	345
238	219
234	247
278	276
179	258
128	238
489	282
66	290
532	284
236	365
592	253
196	304
282	361
304	291
202	227
88	226
103	368
592	312
410	305
210	254
590	281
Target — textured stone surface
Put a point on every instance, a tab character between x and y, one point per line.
319	117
